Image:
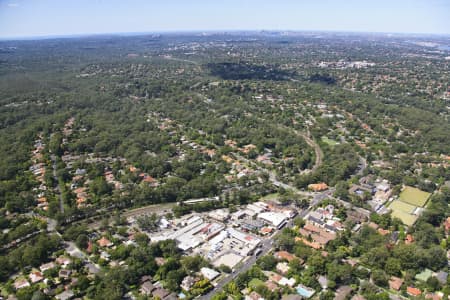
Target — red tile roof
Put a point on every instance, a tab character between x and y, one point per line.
318	186
284	255
447	224
413	291
395	283
103	242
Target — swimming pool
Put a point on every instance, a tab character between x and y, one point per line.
304	291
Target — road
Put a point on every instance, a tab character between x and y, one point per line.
18	241
58	189
272	174
315	146
146	210
159	209
362	166
51	225
266	247
251	260
318	152
273	177
71	247
74	251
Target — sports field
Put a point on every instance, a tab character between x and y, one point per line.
406	218
402	206
414	196
403	211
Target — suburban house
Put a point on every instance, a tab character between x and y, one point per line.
318	187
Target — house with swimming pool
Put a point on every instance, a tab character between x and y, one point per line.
304	291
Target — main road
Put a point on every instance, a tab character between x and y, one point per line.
158	209
266	247
267	244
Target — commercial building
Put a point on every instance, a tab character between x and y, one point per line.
229	259
278	220
220	215
209	274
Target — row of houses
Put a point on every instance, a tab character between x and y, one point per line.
38	169
62	280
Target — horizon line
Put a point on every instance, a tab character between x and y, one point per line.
213	31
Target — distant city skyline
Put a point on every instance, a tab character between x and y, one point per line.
39	18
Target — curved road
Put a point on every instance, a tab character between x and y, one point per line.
315	146
318	152
159	209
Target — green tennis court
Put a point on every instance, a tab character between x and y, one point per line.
406	218
403	211
402	206
414	196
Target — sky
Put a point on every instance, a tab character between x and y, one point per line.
34	18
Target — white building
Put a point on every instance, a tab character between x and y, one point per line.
287	282
383	186
243	237
219	214
238	215
187	242
262	205
278	220
257	209
209	274
289	213
250	213
219	238
248	242
185	235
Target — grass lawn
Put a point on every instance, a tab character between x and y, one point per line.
329	141
3	292
424	275
255	282
402	206
414	196
403	211
406	218
269	197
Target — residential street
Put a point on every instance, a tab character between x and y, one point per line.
58	189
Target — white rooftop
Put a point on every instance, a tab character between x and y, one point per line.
255	208
273	217
229	259
208	273
219	238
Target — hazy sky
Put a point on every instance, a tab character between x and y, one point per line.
23	18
